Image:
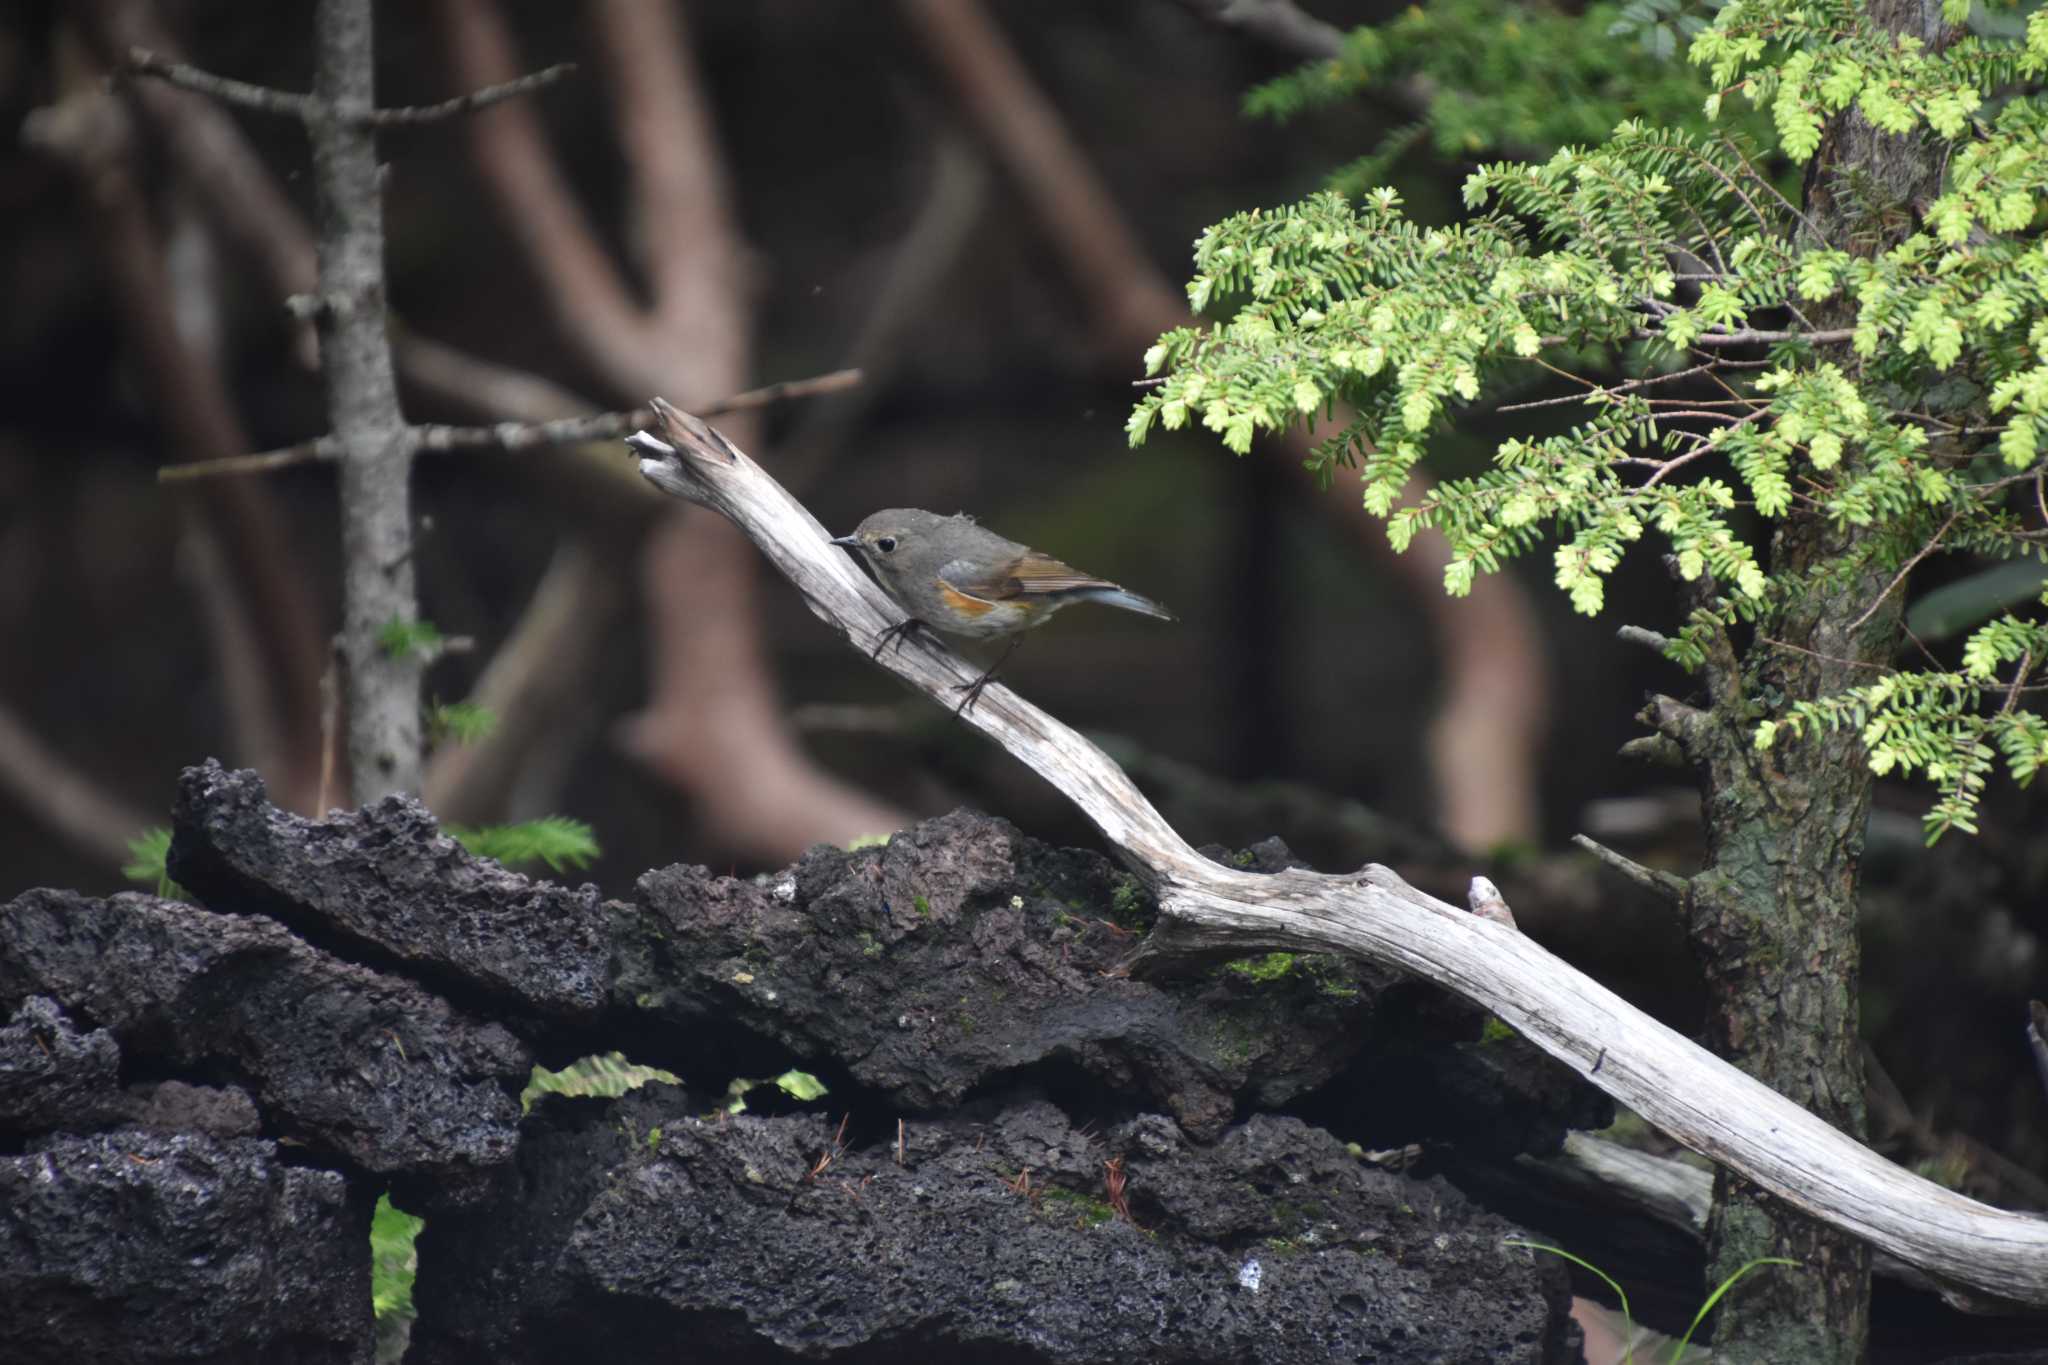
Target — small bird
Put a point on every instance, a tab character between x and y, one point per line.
954	576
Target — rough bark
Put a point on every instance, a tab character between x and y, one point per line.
1773	915
1772	919
362	404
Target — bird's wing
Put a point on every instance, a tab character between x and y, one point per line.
1030	574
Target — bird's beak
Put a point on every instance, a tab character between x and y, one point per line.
850	542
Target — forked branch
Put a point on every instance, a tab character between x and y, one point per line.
1207	909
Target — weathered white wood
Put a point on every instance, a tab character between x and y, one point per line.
1697	1098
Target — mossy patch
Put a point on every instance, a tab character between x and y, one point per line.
1271	967
1494	1031
1068	1203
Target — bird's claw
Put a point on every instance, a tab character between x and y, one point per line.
973	691
893	635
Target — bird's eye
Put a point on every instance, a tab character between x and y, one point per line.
886	544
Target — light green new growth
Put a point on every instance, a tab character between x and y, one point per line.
801	1086
1684	1343
1504	76
148	854
462	722
557	840
605	1076
393	1261
1915	411
399	639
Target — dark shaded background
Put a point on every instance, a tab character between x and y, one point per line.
1299	659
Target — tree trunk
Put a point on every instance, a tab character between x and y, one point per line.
1773	921
1773	915
362	405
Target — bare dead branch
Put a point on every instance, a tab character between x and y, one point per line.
309	109
1205	908
1654	749
1643	636
1663	883
1752	336
510	437
241	94
1276	23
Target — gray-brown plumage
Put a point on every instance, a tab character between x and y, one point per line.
955	576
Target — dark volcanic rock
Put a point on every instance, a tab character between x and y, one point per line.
384	885
137	1248
348	1061
642	1231
952	959
963	952
179	1107
52	1075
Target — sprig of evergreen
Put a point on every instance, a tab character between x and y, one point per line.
460	722
557	840
1500	75
148	856
1913	412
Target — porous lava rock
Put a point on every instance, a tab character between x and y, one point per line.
353	1064
643	1230
138	1248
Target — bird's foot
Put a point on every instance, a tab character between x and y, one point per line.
973	691
893	635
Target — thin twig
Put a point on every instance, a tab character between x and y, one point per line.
511	436
310	109
2019	682
1900	577
1663	883
1641	635
1614	390
1750	336
413	115
1676	463
1775	643
1278	23
1772	190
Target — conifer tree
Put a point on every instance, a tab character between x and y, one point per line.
1797	392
